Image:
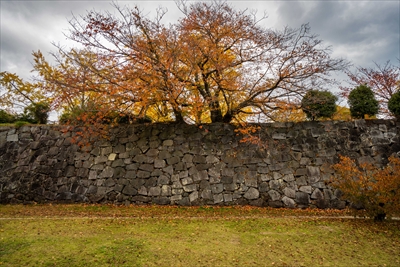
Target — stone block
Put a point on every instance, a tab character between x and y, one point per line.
12	138
163	180
228	172
228	197
215	179
252	193
279	136
162	200
250	181
218	198
210	159
317	194
206	194
143	191
186	181
193	196
313	174
118	188
265	177
118	163
166	190
152	153
119	149
217	188
143	174
173	160
112	157
302	199
107	172
92	189
168	143
190	188
227	179
129	190
306	189
184	174
230	187
288	177
154	191
175	198
100	159
288	202
274	195
291	193
146	167
136	183
274	184
152	181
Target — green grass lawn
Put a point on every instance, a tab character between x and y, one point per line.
81	235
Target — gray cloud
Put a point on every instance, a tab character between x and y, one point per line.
361	31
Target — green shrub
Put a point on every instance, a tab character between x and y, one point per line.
362	102
19	124
394	104
319	104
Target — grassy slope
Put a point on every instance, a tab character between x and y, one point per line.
77	235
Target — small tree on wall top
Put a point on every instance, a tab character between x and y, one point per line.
319	104
362	102
383	79
394	104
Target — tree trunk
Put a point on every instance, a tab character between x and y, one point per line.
227	118
178	116
216	113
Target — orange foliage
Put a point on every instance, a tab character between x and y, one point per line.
287	112
215	64
377	190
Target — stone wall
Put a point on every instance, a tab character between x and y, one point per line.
189	165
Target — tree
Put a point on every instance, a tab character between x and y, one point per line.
215	64
362	102
6	117
37	112
319	104
394	104
375	189
384	81
32	97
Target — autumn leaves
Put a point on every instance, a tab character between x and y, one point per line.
215	64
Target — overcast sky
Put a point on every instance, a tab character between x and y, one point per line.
362	32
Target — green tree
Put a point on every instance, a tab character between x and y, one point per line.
362	102
6	117
394	104
319	104
39	111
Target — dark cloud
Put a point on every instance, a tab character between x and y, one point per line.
361	31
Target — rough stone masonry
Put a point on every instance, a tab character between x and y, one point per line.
189	165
